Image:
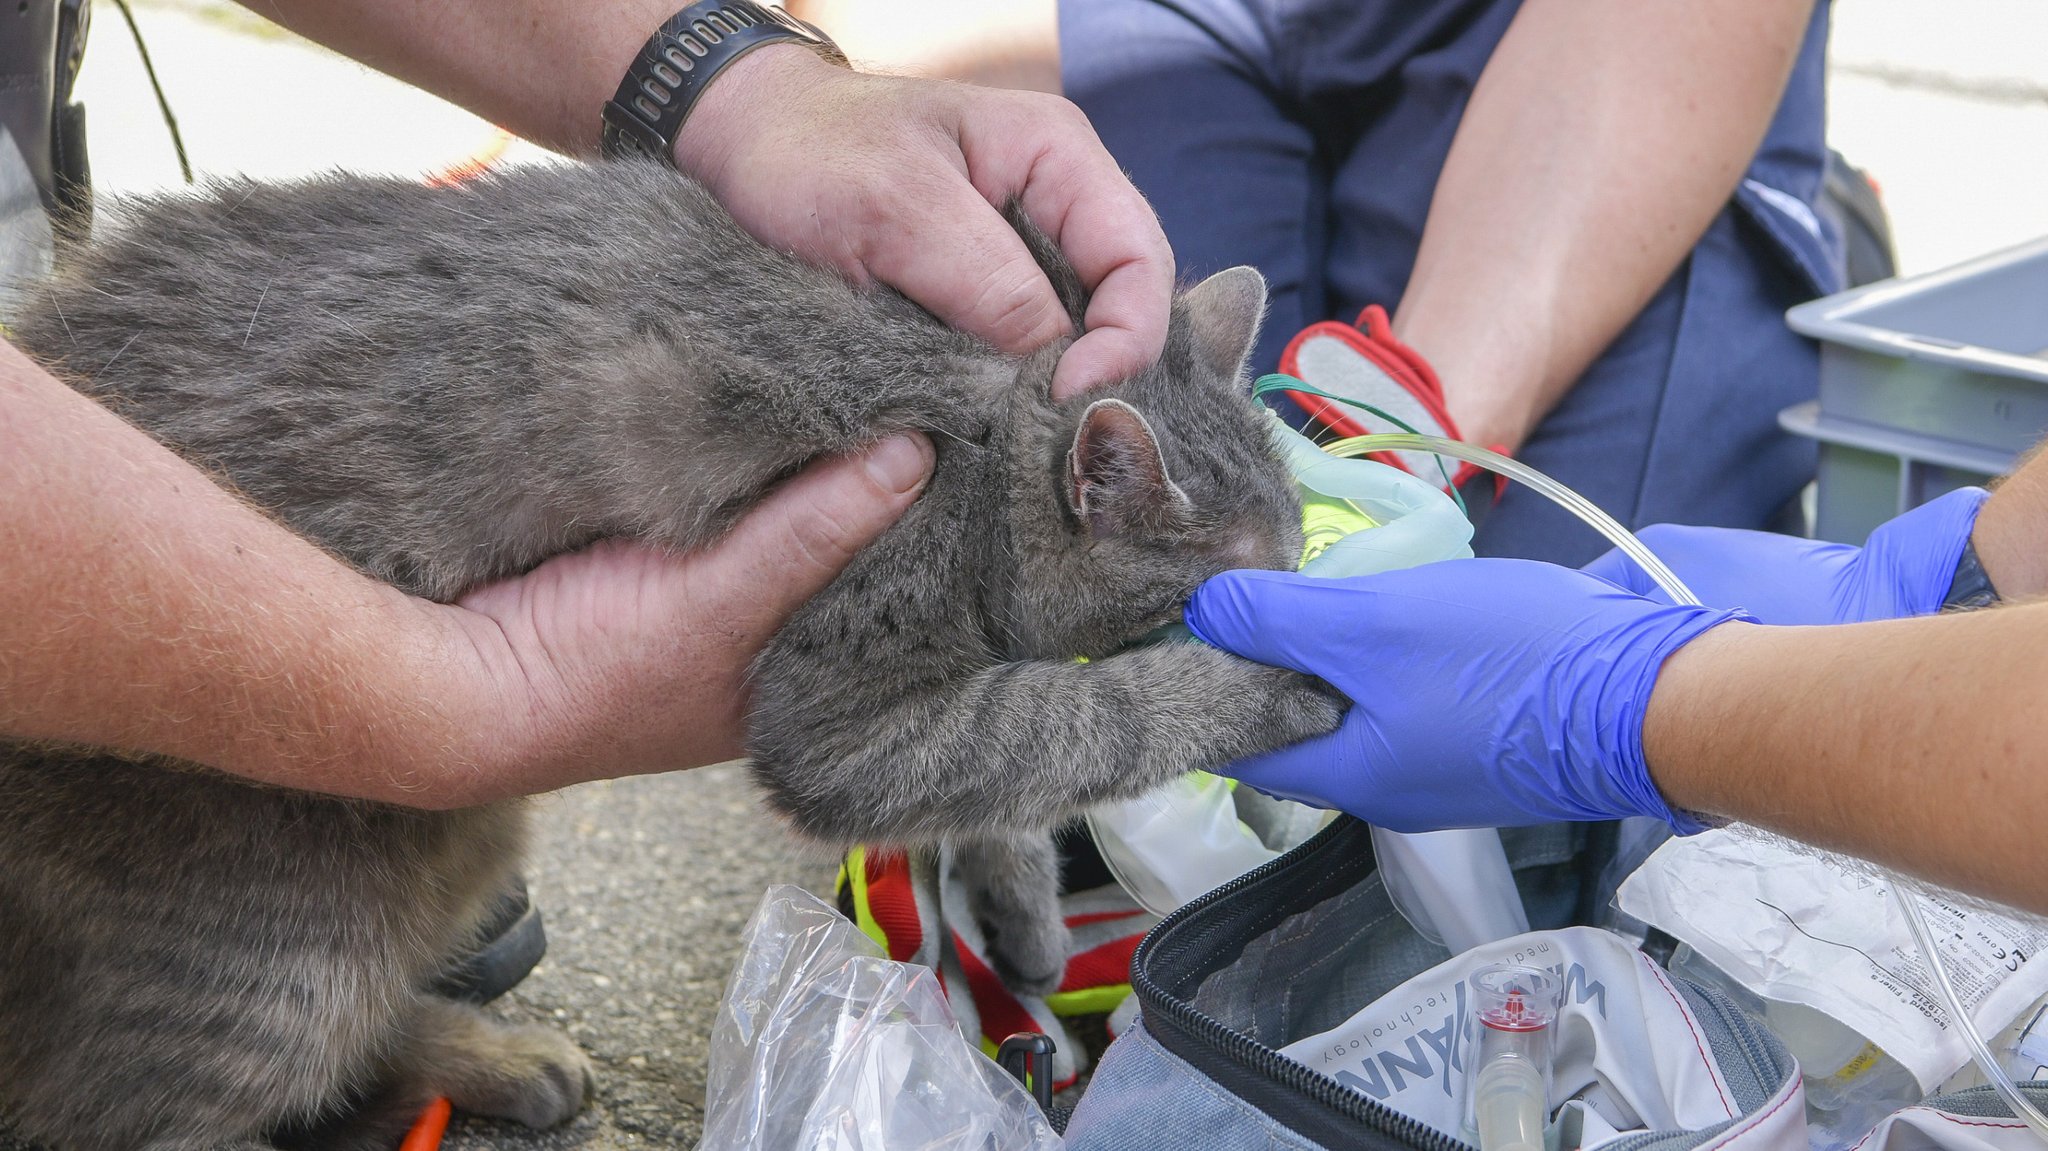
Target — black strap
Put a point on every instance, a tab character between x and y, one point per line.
675	66
1971	588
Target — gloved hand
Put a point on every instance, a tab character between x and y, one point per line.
1486	693
1368	363
1904	570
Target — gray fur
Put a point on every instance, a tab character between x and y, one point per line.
445	386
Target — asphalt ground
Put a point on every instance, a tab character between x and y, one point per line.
645	885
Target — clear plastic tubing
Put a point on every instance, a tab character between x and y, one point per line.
1520	472
1674	587
1965	1026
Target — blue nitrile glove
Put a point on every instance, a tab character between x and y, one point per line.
1905	569
1486	693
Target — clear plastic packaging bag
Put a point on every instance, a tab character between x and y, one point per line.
1171	844
823	1044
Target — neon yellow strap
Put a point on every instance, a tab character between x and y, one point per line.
855	871
1088	1000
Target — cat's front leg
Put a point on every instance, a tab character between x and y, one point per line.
1013	889
1021	745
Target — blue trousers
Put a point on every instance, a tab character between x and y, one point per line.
1304	137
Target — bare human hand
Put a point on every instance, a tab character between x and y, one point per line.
902	180
624	659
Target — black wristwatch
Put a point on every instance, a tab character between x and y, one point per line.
675	66
1971	588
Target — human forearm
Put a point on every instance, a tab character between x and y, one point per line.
152	611
1915	743
542	70
1504	692
2011	533
1598	145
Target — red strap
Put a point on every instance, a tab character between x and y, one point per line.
1373	338
893	904
1380	330
1404	363
1104	966
1001	1015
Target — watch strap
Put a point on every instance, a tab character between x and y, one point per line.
1971	587
679	61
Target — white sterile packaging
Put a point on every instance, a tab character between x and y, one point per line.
1625	1049
1177	841
1795	926
822	1044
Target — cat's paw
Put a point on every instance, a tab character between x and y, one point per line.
531	1075
1030	953
1303	707
549	1077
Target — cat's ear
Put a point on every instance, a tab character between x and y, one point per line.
1223	315
1116	478
1066	282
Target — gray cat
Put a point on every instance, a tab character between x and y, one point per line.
445	386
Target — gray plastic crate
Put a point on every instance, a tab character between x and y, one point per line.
1927	384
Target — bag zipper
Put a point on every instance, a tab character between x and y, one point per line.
1194	1035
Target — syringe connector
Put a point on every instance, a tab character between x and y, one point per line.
1507	1077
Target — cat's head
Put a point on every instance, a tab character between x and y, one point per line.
1124	499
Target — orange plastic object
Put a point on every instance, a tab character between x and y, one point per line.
475	164
428	1128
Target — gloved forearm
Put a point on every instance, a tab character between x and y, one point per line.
1486	693
1502	692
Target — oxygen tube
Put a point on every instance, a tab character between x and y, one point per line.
1668	581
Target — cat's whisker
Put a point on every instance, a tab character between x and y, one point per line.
116	356
358	332
59	309
260	297
244	198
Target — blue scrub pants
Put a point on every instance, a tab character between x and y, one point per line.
1304	137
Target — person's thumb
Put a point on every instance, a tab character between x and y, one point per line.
1314	771
1617	568
798	539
